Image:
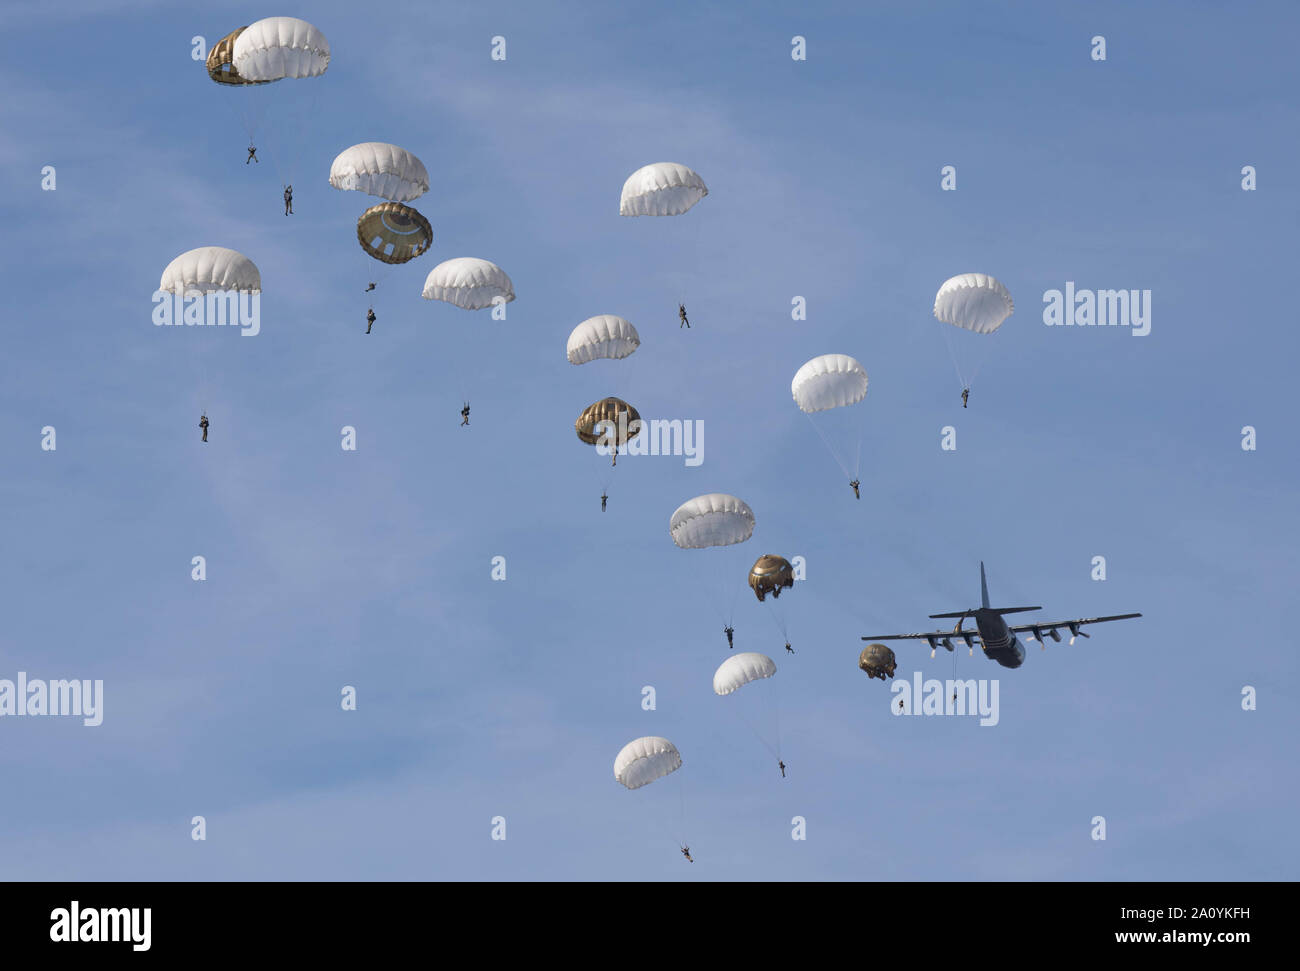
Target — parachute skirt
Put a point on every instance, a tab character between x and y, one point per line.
604	336
394	233
211	269
380	169
661	189
716	519
973	301
644	760
739	670
469	283
280	47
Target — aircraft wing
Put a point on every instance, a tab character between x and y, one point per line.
1073	626
913	637
1039	632
970	638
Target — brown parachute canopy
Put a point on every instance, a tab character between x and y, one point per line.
220	58
589	428
770	574
394	233
878	661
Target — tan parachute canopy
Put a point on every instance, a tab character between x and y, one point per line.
878	661
394	233
220	68
770	574
589	424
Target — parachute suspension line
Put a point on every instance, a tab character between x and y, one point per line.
857	463
299	132
981	356
830	448
731	606
625	374
696	271
713	596
952	354
603	469
757	734
384	273
206	388
268	149
780	623
771	711
470	380
464	391
726	607
251	110
776	717
681	811
285	111
277	132
298	125
683	260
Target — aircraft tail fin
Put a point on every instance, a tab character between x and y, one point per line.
971	612
984	602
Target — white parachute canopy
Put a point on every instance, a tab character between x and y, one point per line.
280	47
380	169
603	336
661	189
973	301
211	269
646	759
829	381
740	670
713	520
468	282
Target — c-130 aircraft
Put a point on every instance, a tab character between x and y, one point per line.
992	633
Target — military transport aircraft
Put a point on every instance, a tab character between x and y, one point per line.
993	635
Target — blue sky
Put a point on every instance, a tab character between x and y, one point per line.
372	568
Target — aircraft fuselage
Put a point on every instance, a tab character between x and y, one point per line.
999	643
